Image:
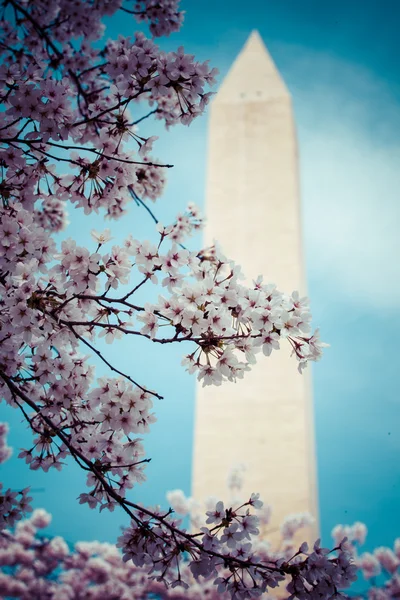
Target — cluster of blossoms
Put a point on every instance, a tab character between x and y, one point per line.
163	16
382	565
285	544
33	565
67	134
224	560
226	554
71	104
49	311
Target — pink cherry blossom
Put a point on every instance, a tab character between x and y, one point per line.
71	139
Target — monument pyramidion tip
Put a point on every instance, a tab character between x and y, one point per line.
253	76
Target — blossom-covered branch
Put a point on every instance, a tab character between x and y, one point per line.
69	135
156	540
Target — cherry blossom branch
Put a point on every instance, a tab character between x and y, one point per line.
109	365
32	143
75	452
43	34
139	201
191	545
55	301
40	31
126	504
149	114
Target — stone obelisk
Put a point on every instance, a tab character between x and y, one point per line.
253	209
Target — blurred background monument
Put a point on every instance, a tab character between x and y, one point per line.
253	208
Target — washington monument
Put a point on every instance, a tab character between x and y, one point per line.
253	209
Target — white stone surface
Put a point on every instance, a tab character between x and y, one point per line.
253	209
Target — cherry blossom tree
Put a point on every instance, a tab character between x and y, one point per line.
36	566
70	137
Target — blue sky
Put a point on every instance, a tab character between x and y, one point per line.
340	62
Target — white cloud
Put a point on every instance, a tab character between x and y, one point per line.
350	165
